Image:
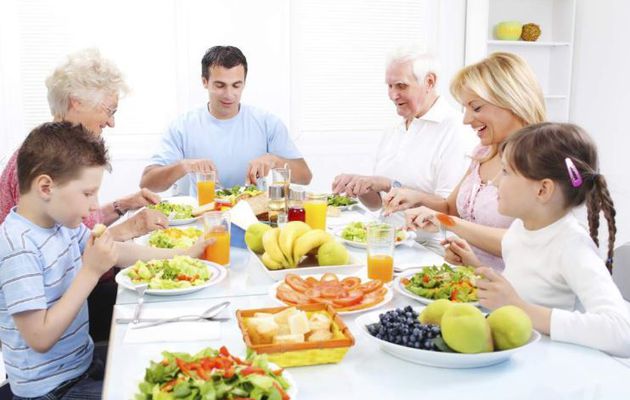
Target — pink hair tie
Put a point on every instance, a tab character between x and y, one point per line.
574	174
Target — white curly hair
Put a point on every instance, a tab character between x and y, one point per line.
422	62
87	76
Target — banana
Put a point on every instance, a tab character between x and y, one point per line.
270	244
270	262
309	241
288	234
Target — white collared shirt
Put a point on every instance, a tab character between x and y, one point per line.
431	155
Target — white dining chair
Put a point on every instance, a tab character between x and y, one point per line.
621	269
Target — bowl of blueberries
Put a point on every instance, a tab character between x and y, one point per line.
400	333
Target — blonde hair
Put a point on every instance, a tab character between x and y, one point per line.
85	76
504	80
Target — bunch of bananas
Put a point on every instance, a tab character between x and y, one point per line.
285	247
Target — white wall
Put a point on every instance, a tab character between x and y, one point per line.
601	94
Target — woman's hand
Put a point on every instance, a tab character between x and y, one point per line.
458	252
400	199
135	201
422	218
495	291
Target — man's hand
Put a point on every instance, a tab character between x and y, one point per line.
400	199
495	291
200	165
100	254
260	167
359	185
458	252
137	200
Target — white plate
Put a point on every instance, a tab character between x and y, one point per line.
218	272
398	286
436	358
144	239
309	268
388	296
363	245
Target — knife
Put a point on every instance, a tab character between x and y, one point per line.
143	320
208	314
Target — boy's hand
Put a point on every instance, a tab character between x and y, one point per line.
100	253
494	290
199	247
458	252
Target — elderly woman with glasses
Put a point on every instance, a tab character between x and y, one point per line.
85	90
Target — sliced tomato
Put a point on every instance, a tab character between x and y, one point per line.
311	282
296	282
405	281
329	277
371	286
354	297
292	297
312	293
333	292
351	282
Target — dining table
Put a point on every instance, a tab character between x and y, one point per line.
545	369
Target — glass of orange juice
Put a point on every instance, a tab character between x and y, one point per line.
315	207
217	227
205	187
380	249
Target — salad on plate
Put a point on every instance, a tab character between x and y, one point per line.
173	211
357	232
443	282
174	238
176	273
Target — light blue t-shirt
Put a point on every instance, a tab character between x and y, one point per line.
37	265
231	144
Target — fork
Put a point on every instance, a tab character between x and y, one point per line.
140	289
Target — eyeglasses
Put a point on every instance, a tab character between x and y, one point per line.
110	112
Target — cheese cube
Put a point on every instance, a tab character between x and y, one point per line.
279	339
298	323
319	321
282	316
320	335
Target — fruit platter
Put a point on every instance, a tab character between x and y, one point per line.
212	373
355	234
295	336
179	275
430	283
456	336
296	248
345	294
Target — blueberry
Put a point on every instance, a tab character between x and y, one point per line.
427	344
436	330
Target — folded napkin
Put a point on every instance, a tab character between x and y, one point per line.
175	332
242	215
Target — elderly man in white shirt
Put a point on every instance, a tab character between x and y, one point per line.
426	153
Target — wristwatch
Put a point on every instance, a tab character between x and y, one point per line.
118	209
396	184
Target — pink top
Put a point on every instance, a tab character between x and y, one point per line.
10	193
477	202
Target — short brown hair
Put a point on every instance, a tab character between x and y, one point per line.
60	150
539	152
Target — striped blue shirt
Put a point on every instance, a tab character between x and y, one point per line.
37	265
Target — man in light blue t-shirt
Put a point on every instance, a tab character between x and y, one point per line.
241	143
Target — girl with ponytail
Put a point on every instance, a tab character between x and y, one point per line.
552	267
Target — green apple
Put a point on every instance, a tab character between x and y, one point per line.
332	253
253	236
432	314
511	327
508	30
465	329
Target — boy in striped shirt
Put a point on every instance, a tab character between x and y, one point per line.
50	262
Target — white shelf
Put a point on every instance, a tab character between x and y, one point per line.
526	44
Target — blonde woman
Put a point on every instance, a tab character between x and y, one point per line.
500	95
85	90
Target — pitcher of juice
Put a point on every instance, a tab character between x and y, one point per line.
380	249
205	187
315	208
217	227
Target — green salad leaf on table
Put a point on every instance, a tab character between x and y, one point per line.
357	232
212	374
176	273
173	210
174	238
443	282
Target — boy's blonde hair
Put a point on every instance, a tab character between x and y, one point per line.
504	80
86	76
